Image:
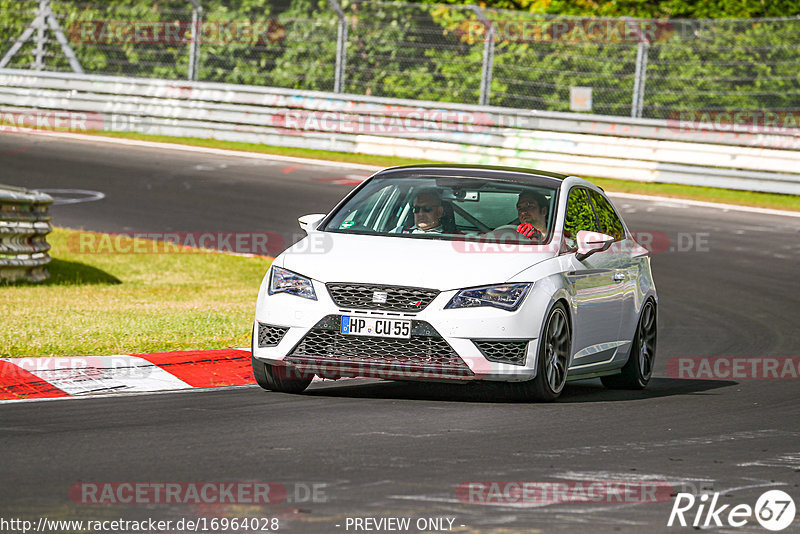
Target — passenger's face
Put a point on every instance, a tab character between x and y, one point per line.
427	212
530	212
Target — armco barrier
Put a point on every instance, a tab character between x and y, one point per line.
24	225
591	145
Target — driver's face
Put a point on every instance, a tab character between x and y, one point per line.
427	212
530	212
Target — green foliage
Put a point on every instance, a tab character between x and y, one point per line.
308	55
707	9
434	51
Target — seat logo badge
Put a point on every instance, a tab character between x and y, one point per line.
379	297
417	303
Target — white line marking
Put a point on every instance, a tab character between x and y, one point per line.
611	476
205	150
790	460
128	394
703	204
371	168
90	196
648	445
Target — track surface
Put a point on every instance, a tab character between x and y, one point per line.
387	449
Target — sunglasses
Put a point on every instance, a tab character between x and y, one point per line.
424	209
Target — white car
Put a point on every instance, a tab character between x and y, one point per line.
453	273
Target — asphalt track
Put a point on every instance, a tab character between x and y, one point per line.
386	449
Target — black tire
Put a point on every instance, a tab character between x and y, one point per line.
277	378
639	368
553	359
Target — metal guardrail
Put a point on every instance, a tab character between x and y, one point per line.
24	225
591	145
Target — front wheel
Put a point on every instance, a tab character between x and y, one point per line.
553	358
277	378
639	368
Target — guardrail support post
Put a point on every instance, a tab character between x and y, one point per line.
341	47
637	102
194	46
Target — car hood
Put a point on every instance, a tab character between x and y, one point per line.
431	263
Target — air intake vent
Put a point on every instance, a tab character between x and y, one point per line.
270	335
502	351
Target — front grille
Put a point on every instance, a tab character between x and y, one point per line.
502	351
426	354
270	335
398	298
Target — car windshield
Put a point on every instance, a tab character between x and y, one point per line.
447	207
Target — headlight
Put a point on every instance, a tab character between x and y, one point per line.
285	281
503	296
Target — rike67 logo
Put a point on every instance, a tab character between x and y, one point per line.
774	510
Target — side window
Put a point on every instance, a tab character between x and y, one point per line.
579	216
609	222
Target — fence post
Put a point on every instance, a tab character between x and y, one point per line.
341	47
194	46
38	63
487	63
637	102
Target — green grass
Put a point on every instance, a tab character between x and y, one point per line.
101	304
708	194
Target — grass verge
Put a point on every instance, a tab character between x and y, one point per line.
101	304
707	194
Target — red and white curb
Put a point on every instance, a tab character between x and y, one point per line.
56	377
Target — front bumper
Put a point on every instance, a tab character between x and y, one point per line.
442	345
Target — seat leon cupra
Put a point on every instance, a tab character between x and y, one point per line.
461	273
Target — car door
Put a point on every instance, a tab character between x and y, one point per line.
595	287
625	264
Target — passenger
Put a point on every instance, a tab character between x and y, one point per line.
532	213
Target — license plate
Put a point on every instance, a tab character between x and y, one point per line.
375	327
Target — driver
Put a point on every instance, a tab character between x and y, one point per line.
428	211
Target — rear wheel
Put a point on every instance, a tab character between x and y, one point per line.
639	368
278	378
553	359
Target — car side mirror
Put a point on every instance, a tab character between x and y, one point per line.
309	223
591	242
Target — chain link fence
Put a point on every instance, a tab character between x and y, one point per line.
448	53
